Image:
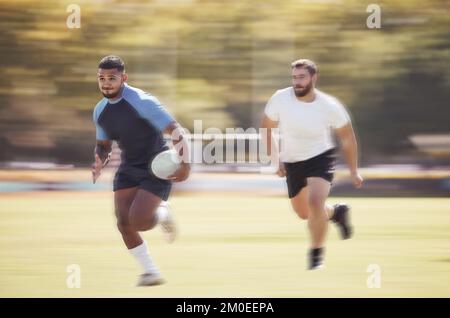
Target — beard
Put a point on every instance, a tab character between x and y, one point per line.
112	94
300	92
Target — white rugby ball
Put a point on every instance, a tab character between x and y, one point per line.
165	164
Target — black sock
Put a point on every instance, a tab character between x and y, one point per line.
316	252
315	257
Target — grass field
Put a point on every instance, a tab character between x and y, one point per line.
229	246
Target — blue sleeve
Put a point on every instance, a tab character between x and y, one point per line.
100	132
149	108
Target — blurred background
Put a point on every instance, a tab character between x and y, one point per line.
219	62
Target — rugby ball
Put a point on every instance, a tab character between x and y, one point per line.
165	164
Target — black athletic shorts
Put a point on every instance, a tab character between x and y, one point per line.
128	176
319	166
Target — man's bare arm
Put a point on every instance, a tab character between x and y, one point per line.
180	143
349	146
268	124
103	149
268	138
101	157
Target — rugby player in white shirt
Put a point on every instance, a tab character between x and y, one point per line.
306	119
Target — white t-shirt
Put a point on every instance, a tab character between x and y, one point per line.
305	128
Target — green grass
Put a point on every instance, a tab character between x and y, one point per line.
229	246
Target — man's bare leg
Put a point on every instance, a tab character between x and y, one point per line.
338	213
300	205
129	206
122	200
142	214
319	190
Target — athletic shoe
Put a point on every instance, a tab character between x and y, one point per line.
168	224
150	279
341	217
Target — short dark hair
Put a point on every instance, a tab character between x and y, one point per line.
305	63
112	61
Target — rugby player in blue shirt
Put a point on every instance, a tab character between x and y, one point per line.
136	120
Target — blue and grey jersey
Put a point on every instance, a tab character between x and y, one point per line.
136	122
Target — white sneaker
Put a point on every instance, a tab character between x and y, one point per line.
318	267
167	223
150	279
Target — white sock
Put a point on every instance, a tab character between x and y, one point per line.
141	254
328	208
162	212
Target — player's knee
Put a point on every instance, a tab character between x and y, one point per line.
316	203
141	223
138	223
124	226
302	215
301	212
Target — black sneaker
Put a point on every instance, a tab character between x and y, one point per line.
315	258
341	217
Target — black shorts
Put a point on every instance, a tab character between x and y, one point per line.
319	166
129	176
